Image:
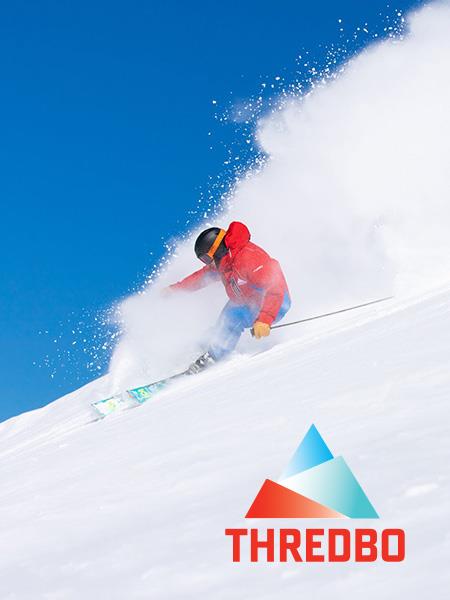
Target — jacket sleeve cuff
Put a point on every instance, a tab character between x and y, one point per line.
265	318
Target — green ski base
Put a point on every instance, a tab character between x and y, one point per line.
131	398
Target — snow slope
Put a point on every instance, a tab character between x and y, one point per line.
353	199
135	506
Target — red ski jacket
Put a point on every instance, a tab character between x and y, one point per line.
249	274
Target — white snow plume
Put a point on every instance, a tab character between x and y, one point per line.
353	200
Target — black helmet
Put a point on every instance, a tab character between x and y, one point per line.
210	245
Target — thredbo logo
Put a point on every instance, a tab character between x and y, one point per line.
315	485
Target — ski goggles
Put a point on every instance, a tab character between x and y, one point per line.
209	256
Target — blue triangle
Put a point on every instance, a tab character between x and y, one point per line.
333	485
311	452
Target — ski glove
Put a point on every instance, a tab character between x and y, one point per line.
260	329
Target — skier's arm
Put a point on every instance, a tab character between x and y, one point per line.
270	278
197	280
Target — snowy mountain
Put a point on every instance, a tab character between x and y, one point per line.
135	506
352	198
353	201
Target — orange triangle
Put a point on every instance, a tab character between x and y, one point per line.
274	501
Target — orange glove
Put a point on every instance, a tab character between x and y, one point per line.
260	329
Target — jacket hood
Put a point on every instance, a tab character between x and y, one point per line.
237	236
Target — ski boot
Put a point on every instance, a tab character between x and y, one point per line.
203	362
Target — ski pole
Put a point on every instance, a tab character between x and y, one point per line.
335	312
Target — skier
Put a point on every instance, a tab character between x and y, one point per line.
254	282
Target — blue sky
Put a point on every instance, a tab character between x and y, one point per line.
109	140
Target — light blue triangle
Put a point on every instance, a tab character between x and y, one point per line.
311	452
333	485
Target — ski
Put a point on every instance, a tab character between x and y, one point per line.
109	405
132	398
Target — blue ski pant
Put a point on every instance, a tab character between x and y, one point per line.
232	321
